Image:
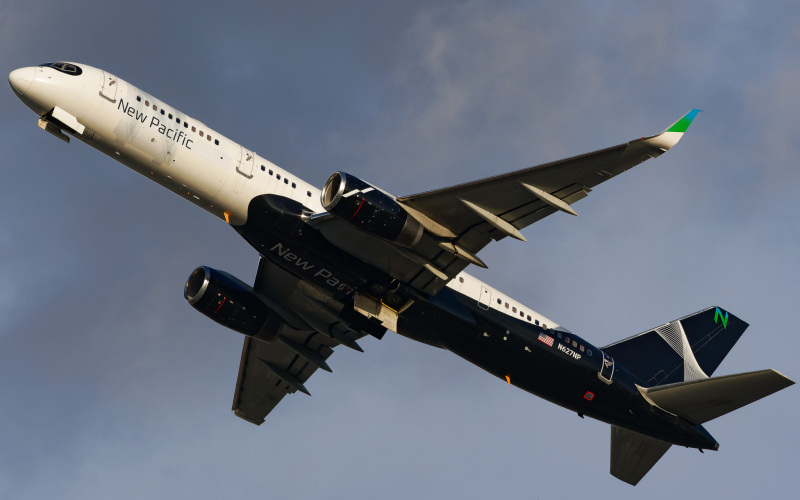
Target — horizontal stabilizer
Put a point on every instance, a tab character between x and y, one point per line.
634	454
699	401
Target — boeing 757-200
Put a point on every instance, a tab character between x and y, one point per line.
352	260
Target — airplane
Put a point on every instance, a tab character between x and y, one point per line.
352	260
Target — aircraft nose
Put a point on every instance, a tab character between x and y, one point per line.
21	79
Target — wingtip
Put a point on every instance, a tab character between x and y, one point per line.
670	137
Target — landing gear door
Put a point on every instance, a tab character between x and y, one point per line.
607	369
109	89
485	299
247	161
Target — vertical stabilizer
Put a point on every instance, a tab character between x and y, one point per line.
690	348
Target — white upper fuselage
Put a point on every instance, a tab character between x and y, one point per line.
186	156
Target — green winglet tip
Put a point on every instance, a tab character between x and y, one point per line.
683	124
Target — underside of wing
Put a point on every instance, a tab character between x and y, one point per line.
313	328
268	372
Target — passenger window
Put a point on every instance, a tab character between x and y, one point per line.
582	348
147	103
506	305
589	352
178	120
170	116
499	301
139	98
278	176
294	185
537	323
574	343
308	193
201	133
559	335
162	111
185	124
529	318
522	314
285	180
566	339
216	142
263	168
270	171
209	138
155	108
194	129
513	309
460	279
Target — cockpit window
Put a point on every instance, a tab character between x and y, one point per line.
66	68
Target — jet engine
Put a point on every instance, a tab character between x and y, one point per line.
369	209
231	303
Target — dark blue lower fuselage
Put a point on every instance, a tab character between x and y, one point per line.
544	362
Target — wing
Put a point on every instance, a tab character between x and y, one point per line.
313	327
268	372
460	220
500	206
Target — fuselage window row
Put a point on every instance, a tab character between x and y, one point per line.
177	120
514	309
574	343
208	137
285	180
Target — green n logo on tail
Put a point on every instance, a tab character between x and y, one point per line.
718	315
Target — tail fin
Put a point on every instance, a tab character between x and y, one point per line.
634	454
699	401
689	348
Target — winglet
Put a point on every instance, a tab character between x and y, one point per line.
670	137
683	124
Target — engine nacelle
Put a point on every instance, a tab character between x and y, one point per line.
231	303
369	209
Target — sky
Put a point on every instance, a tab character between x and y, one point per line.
111	386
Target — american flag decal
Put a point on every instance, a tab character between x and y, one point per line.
546	339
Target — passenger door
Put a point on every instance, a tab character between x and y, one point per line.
606	369
485	299
109	89
247	160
